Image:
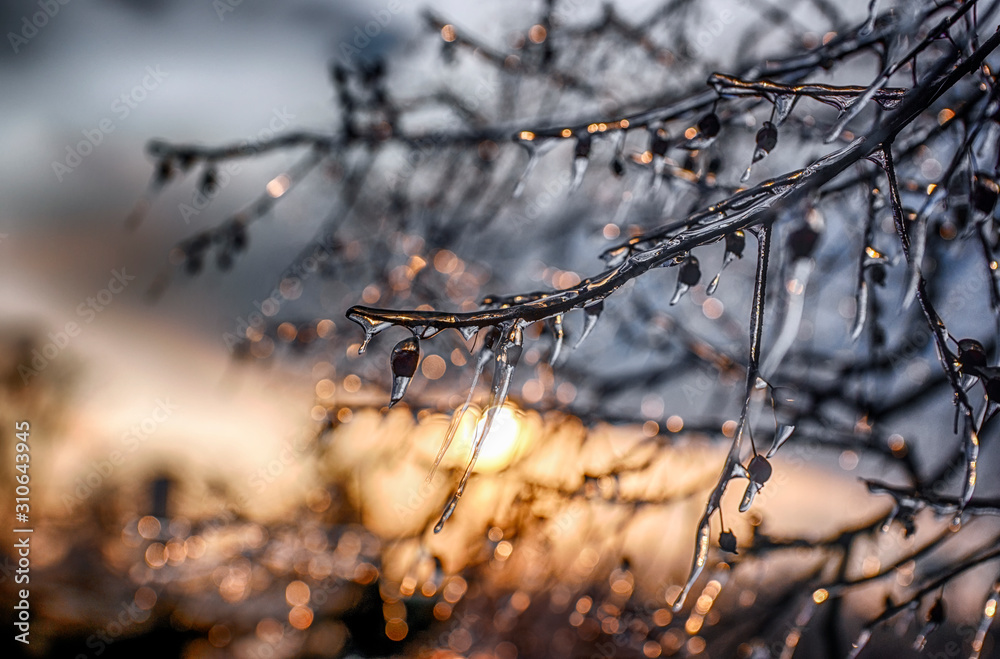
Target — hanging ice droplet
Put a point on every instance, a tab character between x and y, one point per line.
780	437
869	25
759	471
935	616
581	158
767	139
658	145
708	130
403	361
727	541
986	621
783	104
618	163
709	125
370	325
558	333
590	315
859	643
507	353
485	354
690	275
985	191
698	563
861	311
735	243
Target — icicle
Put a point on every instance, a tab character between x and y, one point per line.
580	160
780	437
783	104
971	450
796	288
918	245
689	276
859	643
659	143
508	352
861	310
935	616
759	471
535	149
618	162
370	326
767	139
558	333
700	559
872	15
403	361
735	242
590	315
485	354
989	613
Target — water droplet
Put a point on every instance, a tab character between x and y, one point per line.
404	359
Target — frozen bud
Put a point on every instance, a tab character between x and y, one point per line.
985	192
403	361
935	615
690	273
709	125
736	242
767	137
660	142
759	469
878	274
405	356
728	542
802	241
971	354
